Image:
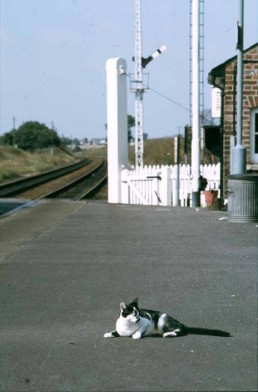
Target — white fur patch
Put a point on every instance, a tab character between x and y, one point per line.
127	327
161	322
108	335
172	333
137	335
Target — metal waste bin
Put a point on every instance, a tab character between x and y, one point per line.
243	198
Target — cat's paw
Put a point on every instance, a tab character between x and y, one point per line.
108	335
137	335
169	334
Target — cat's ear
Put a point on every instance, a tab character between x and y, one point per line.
135	302
122	306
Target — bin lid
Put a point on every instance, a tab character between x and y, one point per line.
244	177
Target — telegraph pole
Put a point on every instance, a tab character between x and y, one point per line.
195	106
14	141
52	141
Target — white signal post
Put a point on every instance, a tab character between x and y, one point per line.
138	88
116	126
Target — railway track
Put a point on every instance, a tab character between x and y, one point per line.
83	187
78	181
14	188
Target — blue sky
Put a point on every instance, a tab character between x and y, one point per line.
53	55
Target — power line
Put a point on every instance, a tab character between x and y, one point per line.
162	95
177	103
169	99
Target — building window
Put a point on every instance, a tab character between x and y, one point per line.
254	136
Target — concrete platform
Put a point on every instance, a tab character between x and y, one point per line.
66	266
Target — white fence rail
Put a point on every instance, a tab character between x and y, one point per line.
158	185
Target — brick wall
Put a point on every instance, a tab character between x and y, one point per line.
250	101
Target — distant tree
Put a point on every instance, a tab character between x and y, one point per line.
130	121
8	138
130	125
31	136
76	142
66	140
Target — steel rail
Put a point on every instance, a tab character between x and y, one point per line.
72	184
91	192
15	187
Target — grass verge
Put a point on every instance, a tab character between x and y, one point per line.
15	163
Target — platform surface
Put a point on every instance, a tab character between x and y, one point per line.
66	266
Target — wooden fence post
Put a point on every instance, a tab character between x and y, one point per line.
165	186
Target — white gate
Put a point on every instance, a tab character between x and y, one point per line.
158	185
141	186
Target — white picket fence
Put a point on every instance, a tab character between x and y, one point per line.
158	185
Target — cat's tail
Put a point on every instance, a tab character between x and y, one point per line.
205	331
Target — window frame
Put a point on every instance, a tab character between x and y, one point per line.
254	136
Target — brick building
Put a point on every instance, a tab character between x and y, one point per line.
224	76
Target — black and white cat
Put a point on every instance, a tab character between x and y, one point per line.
138	323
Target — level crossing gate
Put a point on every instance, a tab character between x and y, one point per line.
165	185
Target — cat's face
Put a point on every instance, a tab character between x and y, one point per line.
129	312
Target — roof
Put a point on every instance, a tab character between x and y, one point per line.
216	76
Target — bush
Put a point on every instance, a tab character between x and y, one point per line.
31	136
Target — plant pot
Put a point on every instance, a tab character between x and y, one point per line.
210	197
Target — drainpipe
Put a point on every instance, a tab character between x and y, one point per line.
222	146
234	99
238	151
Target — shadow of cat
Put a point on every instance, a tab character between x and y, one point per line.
198	331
